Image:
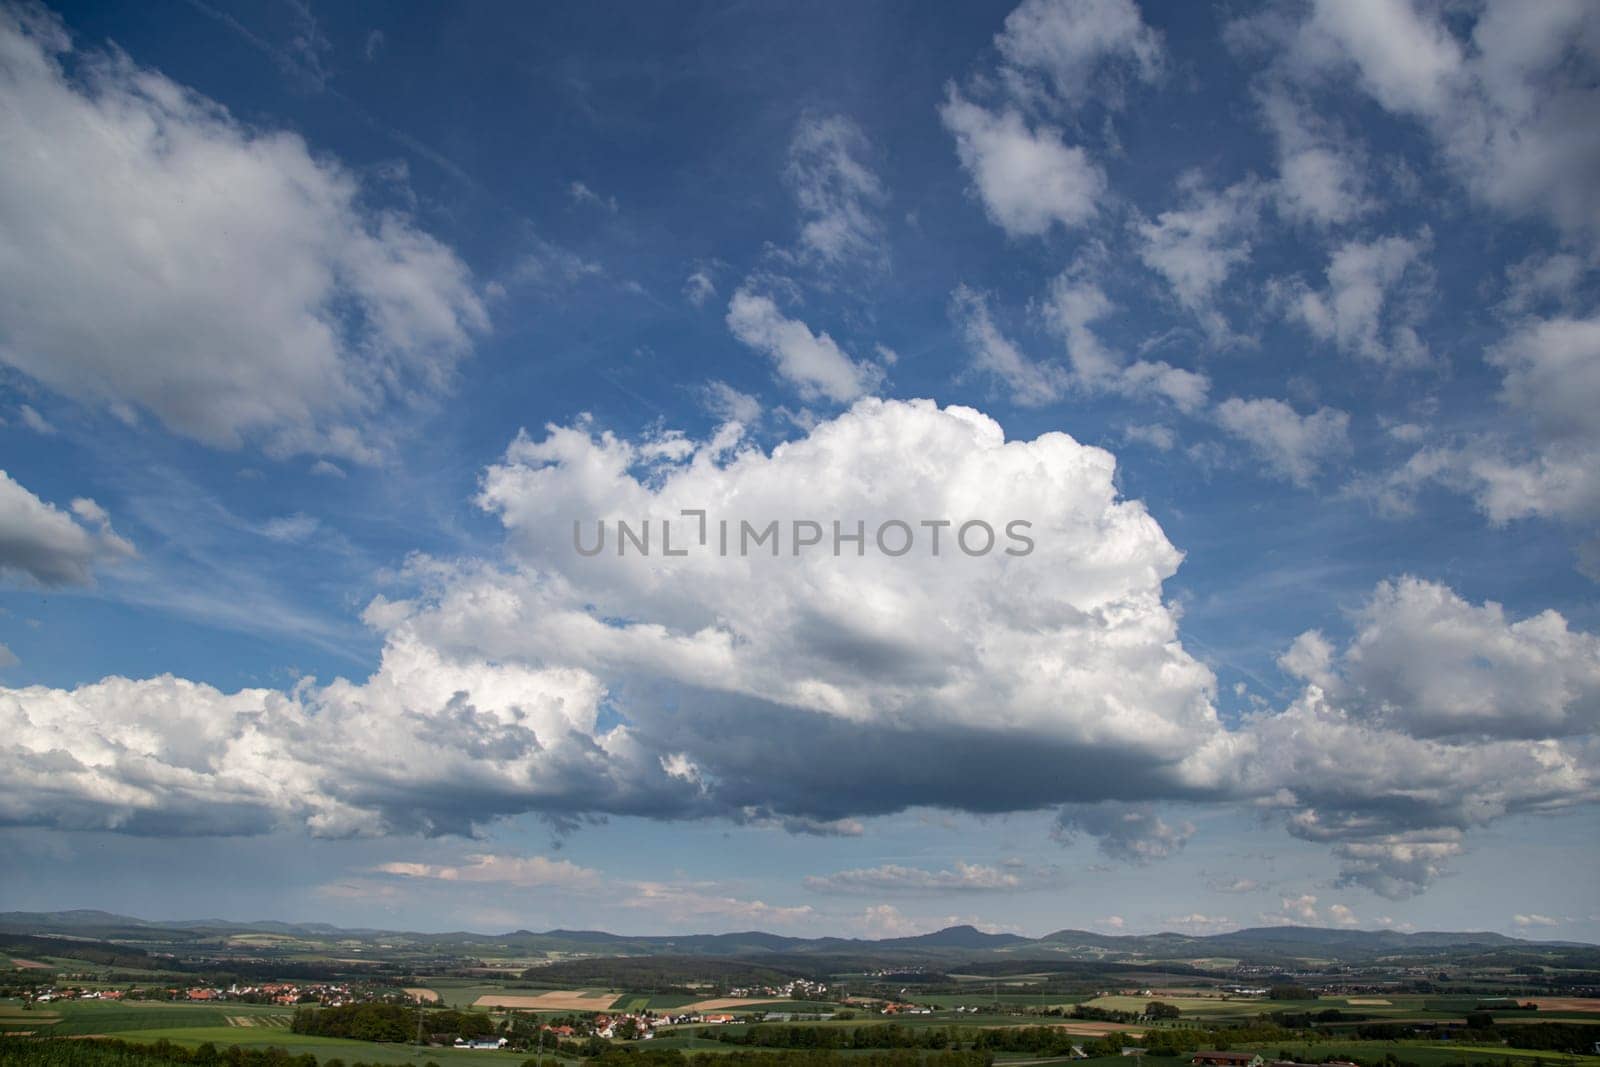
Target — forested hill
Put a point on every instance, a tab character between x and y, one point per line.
964	944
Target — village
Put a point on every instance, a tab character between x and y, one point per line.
288	994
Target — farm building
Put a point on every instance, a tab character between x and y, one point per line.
1227	1059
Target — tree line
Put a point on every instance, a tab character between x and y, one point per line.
389	1022
114	1052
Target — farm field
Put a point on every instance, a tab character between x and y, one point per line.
943	1019
245	1025
670	1001
555	1000
463	992
983	995
74	1018
325	1048
1568	1004
1391	1008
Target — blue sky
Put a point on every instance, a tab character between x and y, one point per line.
320	325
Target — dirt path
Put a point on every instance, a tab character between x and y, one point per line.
1567	1003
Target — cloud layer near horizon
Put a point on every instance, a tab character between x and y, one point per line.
814	690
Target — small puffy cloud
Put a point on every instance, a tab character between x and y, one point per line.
1373	301
1196	247
698	288
728	403
1397	866
837	191
893	878
1425	659
1321	177
1309	658
1068	42
528	872
1071	308
1133	833
886	920
547	267
290	529
1198	923
1291	445
582	194
700	903
1406	60
183	234
1155	435
1026	176
1550	382
1031	384
813	363
51	547
1526	922
1301	909
1552	376
1233	885
1055	55
1340	915
1304	910
1542	279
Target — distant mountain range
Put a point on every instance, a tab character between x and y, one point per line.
955	943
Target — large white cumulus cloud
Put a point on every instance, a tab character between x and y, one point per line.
426	744
1439	716
886	664
812	690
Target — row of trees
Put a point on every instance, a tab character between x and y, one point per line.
1041	1041
111	1052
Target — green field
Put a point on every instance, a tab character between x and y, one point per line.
245	1025
325	1048
667	1001
984	996
1396	1006
462	992
79	1017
